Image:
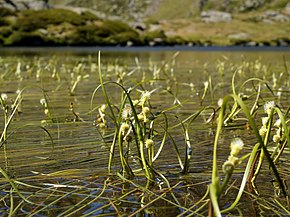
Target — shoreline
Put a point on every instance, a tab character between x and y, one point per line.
43	49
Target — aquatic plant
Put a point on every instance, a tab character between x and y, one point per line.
260	149
128	120
148	156
8	113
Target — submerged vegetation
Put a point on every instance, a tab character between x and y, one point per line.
93	137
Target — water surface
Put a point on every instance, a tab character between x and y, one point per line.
78	147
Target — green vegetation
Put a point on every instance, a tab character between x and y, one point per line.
65	27
6	12
278	4
107	33
130	146
24	38
30	20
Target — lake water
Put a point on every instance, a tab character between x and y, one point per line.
65	177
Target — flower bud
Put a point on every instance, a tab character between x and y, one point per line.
145	110
102	125
141	117
276	138
149	143
228	167
263	131
124	128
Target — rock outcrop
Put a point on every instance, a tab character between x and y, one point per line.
249	5
215	16
24	4
274	16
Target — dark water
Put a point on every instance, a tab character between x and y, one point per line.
78	157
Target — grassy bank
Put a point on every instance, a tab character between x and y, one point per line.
55	27
63	27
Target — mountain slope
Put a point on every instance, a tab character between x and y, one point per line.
171	9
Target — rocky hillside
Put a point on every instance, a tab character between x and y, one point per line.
150	22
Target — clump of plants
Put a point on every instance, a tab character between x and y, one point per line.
131	125
65	27
25	39
6	12
104	33
136	134
30	20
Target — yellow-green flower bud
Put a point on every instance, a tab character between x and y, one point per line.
276	138
233	160
46	111
102	125
145	110
228	167
140	117
124	128
149	143
263	131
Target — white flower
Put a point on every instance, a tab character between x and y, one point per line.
42	101
4	96
265	121
269	106
135	102
127	112
220	102
279	93
278	123
236	146
145	96
103	108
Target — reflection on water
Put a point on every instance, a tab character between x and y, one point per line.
79	148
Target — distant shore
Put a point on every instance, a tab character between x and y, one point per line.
62	27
